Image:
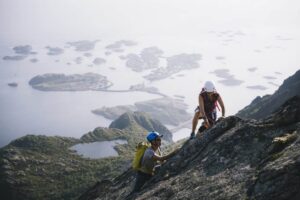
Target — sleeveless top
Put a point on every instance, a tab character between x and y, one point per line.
210	106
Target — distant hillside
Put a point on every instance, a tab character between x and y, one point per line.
167	110
41	167
130	121
235	159
261	107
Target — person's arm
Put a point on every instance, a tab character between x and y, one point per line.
162	158
202	111
220	101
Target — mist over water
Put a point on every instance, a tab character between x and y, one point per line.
244	56
56	113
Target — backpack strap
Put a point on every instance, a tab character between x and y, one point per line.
217	106
159	151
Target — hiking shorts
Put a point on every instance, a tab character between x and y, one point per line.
213	114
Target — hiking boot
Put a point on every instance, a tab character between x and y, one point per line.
192	135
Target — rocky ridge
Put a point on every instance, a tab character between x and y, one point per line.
235	159
261	107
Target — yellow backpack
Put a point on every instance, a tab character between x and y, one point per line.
139	152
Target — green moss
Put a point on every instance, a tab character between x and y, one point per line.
275	156
49	170
279	143
285	139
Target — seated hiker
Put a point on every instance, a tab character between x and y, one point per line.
150	160
206	110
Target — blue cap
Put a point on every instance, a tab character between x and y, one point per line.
153	135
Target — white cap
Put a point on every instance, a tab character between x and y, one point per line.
209	86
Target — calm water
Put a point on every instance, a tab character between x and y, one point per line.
180	134
28	111
96	150
25	110
56	113
262	39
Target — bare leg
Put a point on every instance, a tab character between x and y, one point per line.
195	122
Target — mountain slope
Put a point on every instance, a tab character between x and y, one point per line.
129	121
41	167
235	159
261	107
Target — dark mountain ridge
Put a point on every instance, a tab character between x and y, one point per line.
261	107
235	159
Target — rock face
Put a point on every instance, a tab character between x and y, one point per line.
75	82
261	107
41	167
235	159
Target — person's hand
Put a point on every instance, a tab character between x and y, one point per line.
206	123
220	118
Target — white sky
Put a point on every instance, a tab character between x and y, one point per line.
175	26
31	20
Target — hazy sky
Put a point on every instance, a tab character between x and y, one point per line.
34	20
232	35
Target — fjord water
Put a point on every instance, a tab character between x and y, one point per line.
28	111
96	150
25	110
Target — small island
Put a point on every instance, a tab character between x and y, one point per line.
257	87
21	52
83	45
167	110
148	58
13	84
149	89
175	64
74	82
228	79
54	51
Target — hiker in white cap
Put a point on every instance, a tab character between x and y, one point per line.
206	110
